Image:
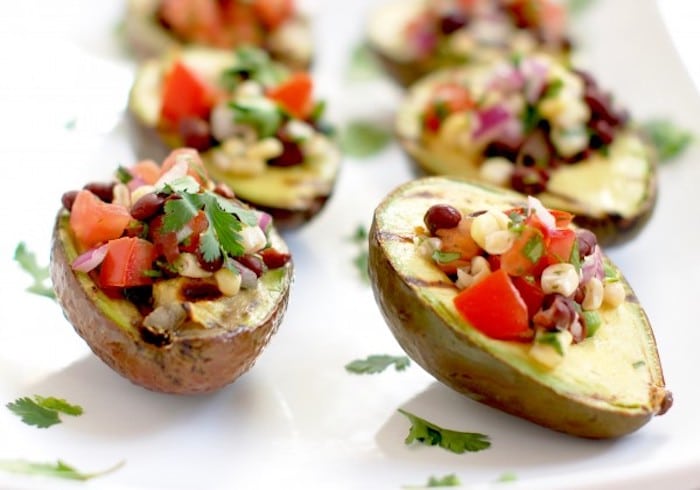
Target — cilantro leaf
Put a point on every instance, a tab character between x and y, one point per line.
59	405
33	413
364	139
42	411
222	228
575	7
361	260
450	480
363	63
254	64
445	257
377	363
179	212
668	139
508	476
59	469
430	434
27	261
262	114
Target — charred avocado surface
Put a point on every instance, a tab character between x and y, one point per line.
606	386
292	191
567	143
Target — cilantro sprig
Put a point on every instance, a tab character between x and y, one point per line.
377	363
225	218
59	469
361	259
43	412
450	480
430	434
253	64
668	139
364	139
27	261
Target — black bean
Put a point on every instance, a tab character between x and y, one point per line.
195	133
529	180
452	21
253	263
147	206
103	190
210	266
291	155
68	198
602	133
274	259
441	216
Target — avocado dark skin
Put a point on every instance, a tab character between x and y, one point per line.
622	394
198	358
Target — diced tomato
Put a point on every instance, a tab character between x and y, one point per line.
165	242
94	221
195	166
448	98
523	257
185	94
531	293
273	13
127	260
198	224
560	243
241	25
147	171
548	16
562	218
295	95
494	307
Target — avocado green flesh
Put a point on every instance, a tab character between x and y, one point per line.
296	187
609	384
620	184
245	310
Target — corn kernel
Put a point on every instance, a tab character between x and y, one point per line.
560	278
593	294
121	195
496	170
614	294
228	282
499	242
487	223
188	266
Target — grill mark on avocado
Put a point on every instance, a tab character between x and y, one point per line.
417	281
389	236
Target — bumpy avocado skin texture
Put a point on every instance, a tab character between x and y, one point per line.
195	361
433	334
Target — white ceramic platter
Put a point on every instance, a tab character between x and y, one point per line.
298	419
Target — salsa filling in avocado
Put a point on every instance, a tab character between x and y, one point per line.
167	237
522	119
523	273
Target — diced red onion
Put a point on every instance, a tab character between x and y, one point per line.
547	218
87	261
491	122
264	220
248	278
135	183
507	79
534	72
183	233
593	266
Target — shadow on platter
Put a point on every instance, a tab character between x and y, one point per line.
515	443
116	408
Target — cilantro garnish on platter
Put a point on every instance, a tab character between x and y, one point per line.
377	363
42	411
28	263
433	435
59	469
224	217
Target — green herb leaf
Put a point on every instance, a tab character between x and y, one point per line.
223	228
361	259
123	175
445	257
553	339
32	413
553	88
433	435
71	124
575	7
363	64
668	139
253	64
507	477
363	139
638	364
27	261
262	114
531	118
56	470
450	480
377	363
59	405
610	273
534	248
